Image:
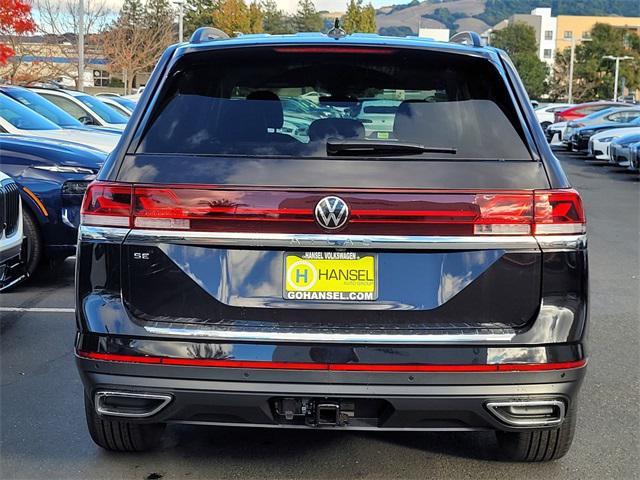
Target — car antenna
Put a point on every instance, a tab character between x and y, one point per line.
337	31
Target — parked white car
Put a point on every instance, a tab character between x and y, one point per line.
600	143
378	117
545	113
17	119
89	110
11	268
556	133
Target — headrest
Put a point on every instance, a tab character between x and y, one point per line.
335	127
267	105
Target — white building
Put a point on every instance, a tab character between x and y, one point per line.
544	25
547	34
439	34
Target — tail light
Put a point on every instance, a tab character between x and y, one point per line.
541	212
107	204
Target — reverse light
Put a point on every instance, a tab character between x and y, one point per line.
434	213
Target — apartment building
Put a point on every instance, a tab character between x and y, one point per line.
554	34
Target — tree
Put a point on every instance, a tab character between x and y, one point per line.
159	14
593	76
15	19
58	22
519	41
307	19
274	20
198	13
256	18
137	38
368	24
359	18
231	16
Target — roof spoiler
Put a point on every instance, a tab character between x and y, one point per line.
207	34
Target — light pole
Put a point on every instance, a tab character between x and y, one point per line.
617	59
180	4
81	45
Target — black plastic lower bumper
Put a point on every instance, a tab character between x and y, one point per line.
377	401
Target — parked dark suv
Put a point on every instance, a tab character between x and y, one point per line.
240	264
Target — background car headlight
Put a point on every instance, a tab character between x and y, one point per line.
64	169
606	139
74	187
586	133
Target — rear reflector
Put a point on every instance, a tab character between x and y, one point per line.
195	208
342	367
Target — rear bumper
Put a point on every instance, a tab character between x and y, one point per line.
383	401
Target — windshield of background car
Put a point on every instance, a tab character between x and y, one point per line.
44	107
22	117
105	112
294	100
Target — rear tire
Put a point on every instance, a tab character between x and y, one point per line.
33	244
538	445
121	435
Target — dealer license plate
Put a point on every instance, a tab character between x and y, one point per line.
330	276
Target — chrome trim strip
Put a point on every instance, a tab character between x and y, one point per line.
113	234
257	336
65	218
548	243
382	242
494	409
562	243
102	410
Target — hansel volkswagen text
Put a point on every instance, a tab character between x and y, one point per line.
427	272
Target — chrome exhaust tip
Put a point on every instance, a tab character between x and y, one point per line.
129	404
529	413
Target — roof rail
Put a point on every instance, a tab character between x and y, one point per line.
467	38
207	34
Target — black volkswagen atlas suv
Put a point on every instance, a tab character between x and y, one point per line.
346	232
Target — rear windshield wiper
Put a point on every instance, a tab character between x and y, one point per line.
381	148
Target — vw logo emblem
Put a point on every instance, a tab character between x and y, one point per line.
332	213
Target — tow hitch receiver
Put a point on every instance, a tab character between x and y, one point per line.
314	412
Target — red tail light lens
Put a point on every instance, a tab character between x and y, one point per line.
504	214
107	204
543	212
559	212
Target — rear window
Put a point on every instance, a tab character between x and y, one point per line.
298	101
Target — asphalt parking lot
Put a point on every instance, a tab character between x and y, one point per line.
43	433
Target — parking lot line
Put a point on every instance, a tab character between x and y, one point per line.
37	310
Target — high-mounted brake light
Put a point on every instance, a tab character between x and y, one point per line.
336	50
197	208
